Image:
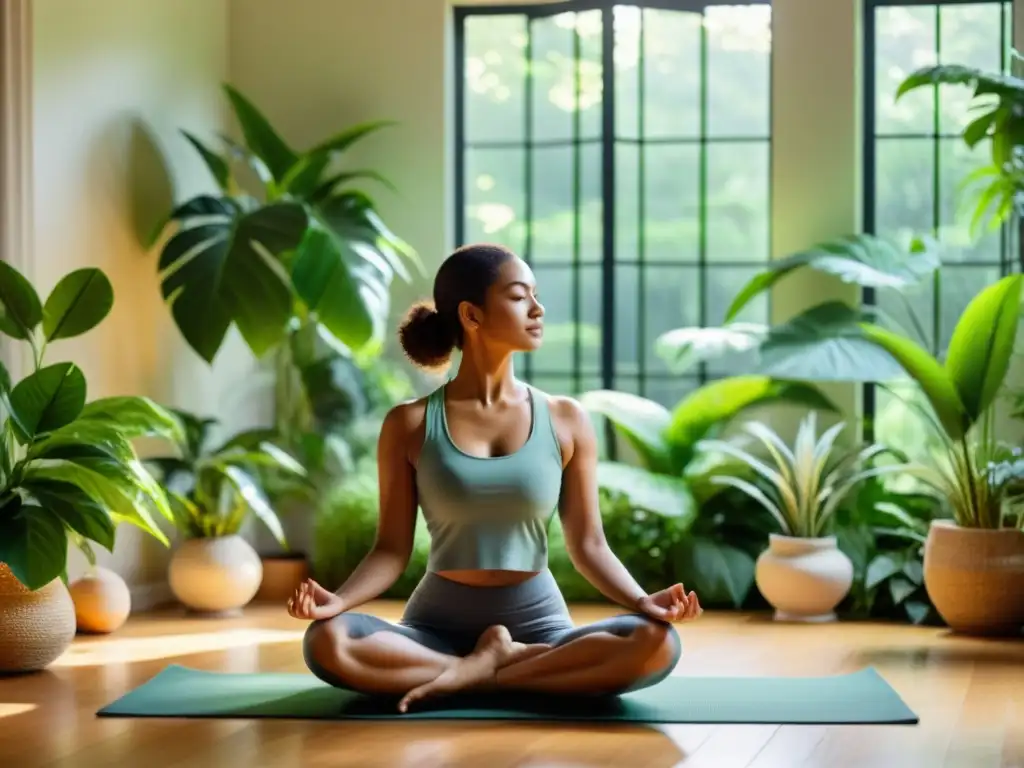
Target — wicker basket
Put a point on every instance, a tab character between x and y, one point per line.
35	627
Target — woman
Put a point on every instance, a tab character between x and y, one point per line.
488	459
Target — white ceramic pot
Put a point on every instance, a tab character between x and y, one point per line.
218	575
803	579
35	627
102	601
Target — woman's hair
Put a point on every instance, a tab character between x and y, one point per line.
431	330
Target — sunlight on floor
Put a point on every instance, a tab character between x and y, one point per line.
85	653
10	710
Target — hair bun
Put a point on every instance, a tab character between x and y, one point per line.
425	337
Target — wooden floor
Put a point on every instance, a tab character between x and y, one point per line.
968	693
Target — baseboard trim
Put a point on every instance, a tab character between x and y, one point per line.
146	597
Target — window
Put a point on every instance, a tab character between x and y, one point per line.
915	163
623	149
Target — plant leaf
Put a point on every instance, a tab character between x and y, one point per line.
20	309
34	545
47	399
956	74
982	344
880	569
78	511
641	421
683	348
217	164
720	573
900	588
655	493
260	136
78	303
254	497
83	439
134	417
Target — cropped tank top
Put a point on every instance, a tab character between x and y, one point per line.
488	513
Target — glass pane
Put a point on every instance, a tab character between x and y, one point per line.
904	41
495	197
591	302
739	70
905	186
968	35
671	300
627	202
672	202
626	383
957	286
671	74
589	28
669	391
627	71
495	74
555	287
591	204
554	76
722	286
554	385
738	201
553	214
956	204
627	319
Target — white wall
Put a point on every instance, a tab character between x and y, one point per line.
114	80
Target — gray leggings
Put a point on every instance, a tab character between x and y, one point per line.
449	618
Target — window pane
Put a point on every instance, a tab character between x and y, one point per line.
904	41
671	74
555	287
627	202
627	320
737	201
671	299
627	71
904	186
554	76
589	28
494	79
672	202
966	36
554	171
739	70
495	196
722	286
957	286
956	205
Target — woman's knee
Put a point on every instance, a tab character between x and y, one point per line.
660	641
323	647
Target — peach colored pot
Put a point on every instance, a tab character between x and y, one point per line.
282	575
35	627
102	601
975	577
803	579
217	575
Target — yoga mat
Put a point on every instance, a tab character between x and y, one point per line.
858	698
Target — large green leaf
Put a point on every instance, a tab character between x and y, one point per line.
862	259
305	175
659	494
260	136
224	271
218	165
78	303
983	82
81	439
718	402
34	545
641	421
721	574
929	374
256	500
825	343
684	348
78	511
47	399
982	344
134	417
20	309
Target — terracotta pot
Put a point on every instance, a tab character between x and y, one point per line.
102	601
975	577
803	579
35	627
217	575
282	575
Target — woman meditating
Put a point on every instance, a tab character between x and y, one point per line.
489	460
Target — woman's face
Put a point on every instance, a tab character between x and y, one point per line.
512	316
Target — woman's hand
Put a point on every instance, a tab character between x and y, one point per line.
671	604
314	603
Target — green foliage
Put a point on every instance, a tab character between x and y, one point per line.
304	245
212	489
68	471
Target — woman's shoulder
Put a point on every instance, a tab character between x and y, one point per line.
406	418
567	413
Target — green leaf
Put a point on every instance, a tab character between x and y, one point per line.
342	141
260	136
825	343
78	511
900	588
929	374
34	545
881	568
78	303
982	344
218	165
659	494
218	273
917	611
982	81
81	439
684	348
641	421
134	417
862	259
721	574
47	399
979	127
254	497
329	186
20	310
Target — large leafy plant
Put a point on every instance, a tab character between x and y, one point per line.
672	475
68	470
212	489
822	343
962	392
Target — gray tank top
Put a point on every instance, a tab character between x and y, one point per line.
488	513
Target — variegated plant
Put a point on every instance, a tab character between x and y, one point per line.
809	480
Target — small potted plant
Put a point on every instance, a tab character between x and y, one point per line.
67	467
803	574
974	562
211	492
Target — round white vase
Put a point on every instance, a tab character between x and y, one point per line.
217	575
803	579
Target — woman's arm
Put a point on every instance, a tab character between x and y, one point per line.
580	512
395	530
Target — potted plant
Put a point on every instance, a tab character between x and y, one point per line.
67	466
211	491
803	574
973	563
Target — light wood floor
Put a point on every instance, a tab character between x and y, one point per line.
968	693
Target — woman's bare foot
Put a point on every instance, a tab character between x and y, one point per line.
494	650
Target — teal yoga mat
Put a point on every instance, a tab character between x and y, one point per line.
858	698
